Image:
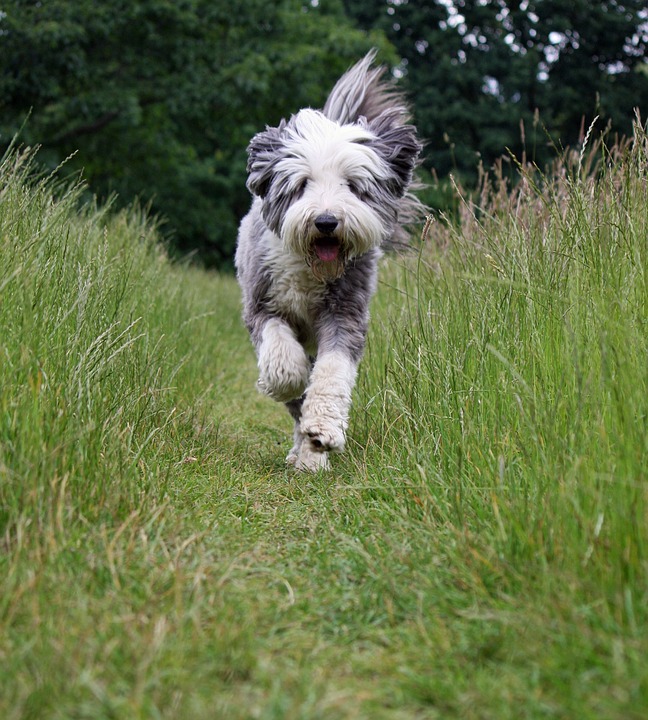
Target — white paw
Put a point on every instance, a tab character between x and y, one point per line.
308	459
323	433
293	455
284	368
281	389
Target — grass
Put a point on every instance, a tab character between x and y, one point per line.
479	552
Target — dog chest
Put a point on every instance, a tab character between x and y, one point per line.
294	293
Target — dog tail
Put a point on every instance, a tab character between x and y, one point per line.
363	92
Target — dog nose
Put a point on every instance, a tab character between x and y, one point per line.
326	223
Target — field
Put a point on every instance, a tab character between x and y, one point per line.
480	551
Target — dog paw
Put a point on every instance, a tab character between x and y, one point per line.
284	376
308	460
293	456
324	434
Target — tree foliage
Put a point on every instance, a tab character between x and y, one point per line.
157	99
477	69
160	97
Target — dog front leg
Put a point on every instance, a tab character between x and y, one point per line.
284	366
325	411
302	456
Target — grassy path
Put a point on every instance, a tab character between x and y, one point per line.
480	551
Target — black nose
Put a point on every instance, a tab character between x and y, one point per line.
326	223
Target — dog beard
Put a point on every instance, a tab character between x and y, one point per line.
326	261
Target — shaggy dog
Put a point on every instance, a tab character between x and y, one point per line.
331	190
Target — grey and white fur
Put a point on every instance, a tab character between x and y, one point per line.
331	191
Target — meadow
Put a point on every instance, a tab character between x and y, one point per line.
479	552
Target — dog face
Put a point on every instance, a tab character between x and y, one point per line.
330	190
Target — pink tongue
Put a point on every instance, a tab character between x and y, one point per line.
327	251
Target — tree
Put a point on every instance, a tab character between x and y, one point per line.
159	98
477	69
592	54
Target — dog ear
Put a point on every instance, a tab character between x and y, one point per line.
398	146
262	157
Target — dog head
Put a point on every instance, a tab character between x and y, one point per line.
330	191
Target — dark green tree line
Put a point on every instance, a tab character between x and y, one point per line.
477	68
157	99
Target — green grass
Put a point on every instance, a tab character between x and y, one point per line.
479	552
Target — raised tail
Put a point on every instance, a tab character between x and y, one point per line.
363	92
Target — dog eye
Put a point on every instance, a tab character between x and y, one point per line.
355	188
299	190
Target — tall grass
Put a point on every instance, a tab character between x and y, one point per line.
104	383
86	374
509	398
479	552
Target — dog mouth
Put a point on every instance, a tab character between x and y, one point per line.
327	258
327	248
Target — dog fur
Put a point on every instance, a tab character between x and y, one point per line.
331	190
